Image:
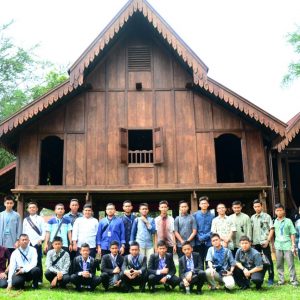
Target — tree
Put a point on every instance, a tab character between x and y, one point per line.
294	67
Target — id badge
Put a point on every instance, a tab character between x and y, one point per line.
7	231
109	233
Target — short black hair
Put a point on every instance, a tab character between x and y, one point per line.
221	204
23	234
237	203
85	245
32	203
215	235
183	201
161	243
163	202
257	201
144	204
9	198
59	204
57	239
74	200
186	243
87	206
114	243
279	205
204	198
127	201
110	204
245	238
135	243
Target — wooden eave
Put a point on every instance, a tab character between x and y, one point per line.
7	168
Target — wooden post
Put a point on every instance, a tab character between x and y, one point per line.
88	198
280	180
262	196
194	202
20	205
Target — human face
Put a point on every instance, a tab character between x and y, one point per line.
32	209
134	250
203	205
57	245
74	206
144	210
187	250
23	242
87	212
245	245
114	250
59	211
9	204
279	212
183	208
216	242
221	209
163	208
85	252
110	211
257	207
237	209
162	250
127	208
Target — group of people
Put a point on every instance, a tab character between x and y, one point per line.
138	250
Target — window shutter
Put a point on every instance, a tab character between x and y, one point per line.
124	145
158	145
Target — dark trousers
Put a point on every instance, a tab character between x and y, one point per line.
11	250
39	251
108	280
62	283
243	282
170	250
268	254
202	250
126	252
73	254
18	281
3	283
197	279
78	281
103	252
155	280
234	252
129	283
179	252
93	252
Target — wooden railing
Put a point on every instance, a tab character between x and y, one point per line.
140	156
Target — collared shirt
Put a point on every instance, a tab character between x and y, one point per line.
249	259
113	259
85	231
243	227
17	261
62	265
110	230
283	230
261	225
169	239
128	222
4	258
221	257
161	264
53	225
72	218
223	226
143	234
184	225
189	263
34	237
203	221
297	227
85	264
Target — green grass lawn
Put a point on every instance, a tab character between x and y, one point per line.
275	292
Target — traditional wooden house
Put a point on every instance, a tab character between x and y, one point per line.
140	119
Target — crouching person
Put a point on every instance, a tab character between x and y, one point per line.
111	265
220	263
23	265
249	265
161	269
84	270
191	269
57	264
134	269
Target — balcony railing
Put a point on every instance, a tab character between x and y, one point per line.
140	156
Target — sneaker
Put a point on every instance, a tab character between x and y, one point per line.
270	282
280	283
295	283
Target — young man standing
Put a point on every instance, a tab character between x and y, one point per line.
111	265
22	266
59	226
249	265
203	220
191	269
4	266
161	269
110	229
223	226
185	227
142	231
85	231
220	264
34	227
57	265
134	269
84	270
164	226
10	225
262	232
285	245
242	224
128	219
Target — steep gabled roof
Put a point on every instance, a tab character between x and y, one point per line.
199	69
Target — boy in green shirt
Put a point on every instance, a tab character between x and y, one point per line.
284	245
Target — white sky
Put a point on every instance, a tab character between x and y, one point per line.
243	42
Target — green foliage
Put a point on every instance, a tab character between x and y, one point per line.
5	158
294	67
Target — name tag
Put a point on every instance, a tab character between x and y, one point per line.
109	233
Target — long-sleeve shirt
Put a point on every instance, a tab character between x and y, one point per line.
17	260
85	231
142	234
63	265
128	221
34	237
110	230
203	222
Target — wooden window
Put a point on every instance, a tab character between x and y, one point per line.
139	58
124	145
229	162
51	163
158	145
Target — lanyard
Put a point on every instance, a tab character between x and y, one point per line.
281	227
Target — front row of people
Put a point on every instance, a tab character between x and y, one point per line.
132	270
